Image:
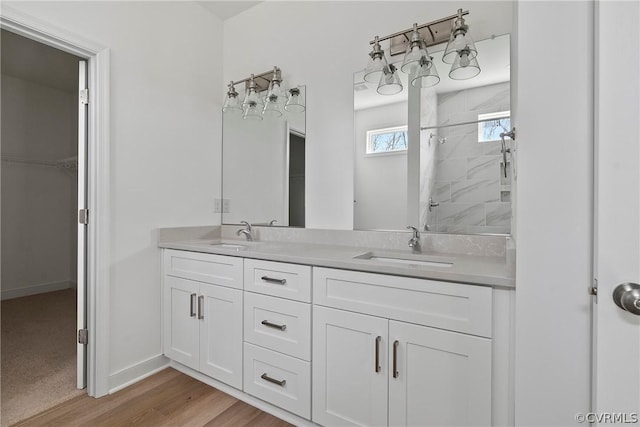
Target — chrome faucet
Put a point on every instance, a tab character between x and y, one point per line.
414	241
246	230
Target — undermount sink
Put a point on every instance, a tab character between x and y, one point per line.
231	246
408	259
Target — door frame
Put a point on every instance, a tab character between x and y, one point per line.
98	162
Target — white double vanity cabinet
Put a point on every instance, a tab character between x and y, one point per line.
339	347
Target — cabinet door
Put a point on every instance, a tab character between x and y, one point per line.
441	378
220	313
348	387
181	339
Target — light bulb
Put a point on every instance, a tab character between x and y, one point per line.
464	59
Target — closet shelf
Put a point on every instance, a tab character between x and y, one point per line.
67	164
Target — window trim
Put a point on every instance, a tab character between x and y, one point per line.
370	133
483	118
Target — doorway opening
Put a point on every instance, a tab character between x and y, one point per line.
296	179
40	181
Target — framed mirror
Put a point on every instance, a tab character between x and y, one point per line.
461	174
263	169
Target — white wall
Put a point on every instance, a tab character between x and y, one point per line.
380	180
554	223
321	44
39	123
166	94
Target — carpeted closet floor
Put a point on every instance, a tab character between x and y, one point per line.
38	353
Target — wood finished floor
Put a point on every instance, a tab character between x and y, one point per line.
168	398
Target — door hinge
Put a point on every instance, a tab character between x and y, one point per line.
84	96
83	216
83	336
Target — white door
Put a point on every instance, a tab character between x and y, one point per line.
437	377
81	357
220	316
617	212
181	337
350	375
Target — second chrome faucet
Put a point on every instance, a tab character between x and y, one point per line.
414	241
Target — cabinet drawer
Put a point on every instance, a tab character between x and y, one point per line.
452	306
278	324
208	268
281	380
279	279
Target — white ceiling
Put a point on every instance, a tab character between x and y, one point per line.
29	60
227	9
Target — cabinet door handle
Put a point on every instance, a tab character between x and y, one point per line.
395	358
272	280
377	367
266	377
273	325
192	308
201	307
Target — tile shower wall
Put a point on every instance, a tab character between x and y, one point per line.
470	187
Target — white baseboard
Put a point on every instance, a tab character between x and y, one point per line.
41	288
240	395
134	373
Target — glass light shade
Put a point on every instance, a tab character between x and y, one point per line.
415	52
458	41
231	101
275	88
232	105
390	83
377	63
427	75
252	112
464	67
295	104
412	59
272	108
252	96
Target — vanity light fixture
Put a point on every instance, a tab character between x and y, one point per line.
461	51
265	96
418	64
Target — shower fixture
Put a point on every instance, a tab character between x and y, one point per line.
511	135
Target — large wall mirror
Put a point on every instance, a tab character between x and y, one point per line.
263	169
464	185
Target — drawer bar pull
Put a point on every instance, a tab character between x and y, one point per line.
273	325
266	377
377	367
395	358
192	308
272	280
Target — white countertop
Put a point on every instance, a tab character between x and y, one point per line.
479	270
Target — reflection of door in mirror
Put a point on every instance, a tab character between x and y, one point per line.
263	169
296	179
